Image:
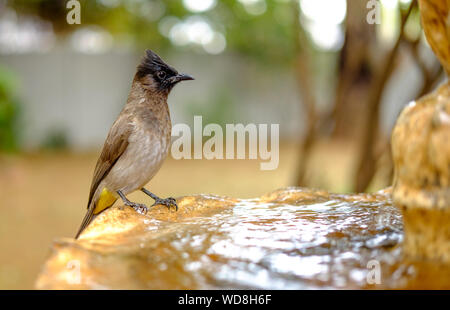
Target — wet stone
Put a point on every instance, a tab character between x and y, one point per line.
421	154
289	239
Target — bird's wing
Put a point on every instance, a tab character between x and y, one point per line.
115	145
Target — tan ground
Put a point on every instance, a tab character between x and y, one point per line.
43	196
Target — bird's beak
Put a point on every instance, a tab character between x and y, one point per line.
180	77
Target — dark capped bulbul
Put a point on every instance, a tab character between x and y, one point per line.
138	141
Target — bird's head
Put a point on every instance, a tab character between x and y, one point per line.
155	75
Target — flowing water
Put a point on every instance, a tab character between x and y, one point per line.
289	239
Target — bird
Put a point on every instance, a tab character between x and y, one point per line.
138	141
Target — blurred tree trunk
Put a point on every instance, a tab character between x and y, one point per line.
362	77
368	157
355	78
304	76
356	73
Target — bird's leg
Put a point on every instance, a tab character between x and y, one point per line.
139	207
168	202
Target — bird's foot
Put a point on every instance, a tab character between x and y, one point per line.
138	207
168	202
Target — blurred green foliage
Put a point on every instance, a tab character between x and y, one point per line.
266	36
56	139
9	111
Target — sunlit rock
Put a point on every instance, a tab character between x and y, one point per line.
421	153
435	16
289	239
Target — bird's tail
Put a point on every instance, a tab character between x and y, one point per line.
87	219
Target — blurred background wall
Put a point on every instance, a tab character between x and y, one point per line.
77	96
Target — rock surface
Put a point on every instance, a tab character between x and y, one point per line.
435	21
421	152
289	239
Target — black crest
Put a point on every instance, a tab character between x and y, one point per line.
152	63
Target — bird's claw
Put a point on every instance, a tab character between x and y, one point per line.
168	202
139	207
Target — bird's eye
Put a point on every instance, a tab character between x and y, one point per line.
161	75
